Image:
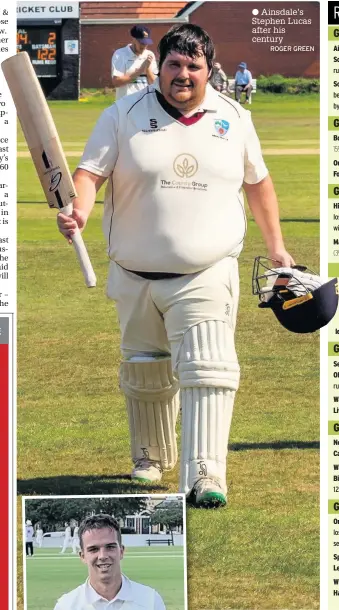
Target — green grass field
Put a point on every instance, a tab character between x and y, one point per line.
262	551
49	574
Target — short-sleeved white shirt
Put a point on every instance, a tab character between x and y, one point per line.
124	60
68	532
174	201
86	597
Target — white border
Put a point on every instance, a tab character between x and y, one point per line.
85	497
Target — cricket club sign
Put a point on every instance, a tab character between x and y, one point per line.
47	10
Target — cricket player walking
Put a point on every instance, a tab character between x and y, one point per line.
39	536
67	539
75	541
176	157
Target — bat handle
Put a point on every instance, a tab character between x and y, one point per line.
81	252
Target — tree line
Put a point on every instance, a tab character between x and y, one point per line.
53	513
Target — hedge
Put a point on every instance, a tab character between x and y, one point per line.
280	84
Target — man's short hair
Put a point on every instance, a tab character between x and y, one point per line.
189	40
99	522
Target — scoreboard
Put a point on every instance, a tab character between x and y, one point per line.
42	46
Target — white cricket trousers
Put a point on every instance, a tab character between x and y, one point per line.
67	543
154	315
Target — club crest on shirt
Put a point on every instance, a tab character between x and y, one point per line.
221	127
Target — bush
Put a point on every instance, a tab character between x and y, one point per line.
294	86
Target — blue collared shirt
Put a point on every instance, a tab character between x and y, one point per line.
243	78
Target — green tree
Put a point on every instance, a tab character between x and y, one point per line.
171	516
52	513
120	507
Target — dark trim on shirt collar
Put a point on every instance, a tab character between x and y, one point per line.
175	113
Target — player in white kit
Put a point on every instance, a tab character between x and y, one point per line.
67	539
176	157
106	587
134	66
75	541
39	536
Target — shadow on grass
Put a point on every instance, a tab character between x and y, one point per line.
299	219
122	483
85	485
275	445
292	220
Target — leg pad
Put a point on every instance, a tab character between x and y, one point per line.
208	373
152	401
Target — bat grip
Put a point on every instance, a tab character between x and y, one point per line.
81	252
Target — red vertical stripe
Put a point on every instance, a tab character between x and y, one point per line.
4	406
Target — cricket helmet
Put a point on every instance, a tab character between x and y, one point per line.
298	297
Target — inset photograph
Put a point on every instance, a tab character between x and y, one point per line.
100	552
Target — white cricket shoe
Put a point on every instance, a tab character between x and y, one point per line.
146	471
207	493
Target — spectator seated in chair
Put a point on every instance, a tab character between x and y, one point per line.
243	83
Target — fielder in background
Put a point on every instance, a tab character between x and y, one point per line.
29	533
176	157
243	82
39	536
67	539
134	66
75	541
106	587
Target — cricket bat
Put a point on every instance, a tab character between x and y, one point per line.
45	146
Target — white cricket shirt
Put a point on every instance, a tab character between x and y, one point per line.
173	200
124	61
68	533
132	596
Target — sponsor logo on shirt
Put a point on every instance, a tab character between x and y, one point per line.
153	123
185	166
221	127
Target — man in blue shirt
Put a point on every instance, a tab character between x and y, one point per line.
243	82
